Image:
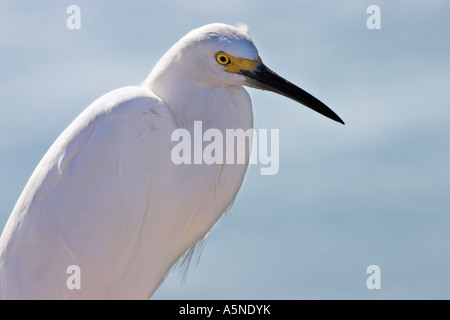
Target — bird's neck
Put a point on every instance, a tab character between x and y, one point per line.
189	100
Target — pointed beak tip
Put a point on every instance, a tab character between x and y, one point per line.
340	121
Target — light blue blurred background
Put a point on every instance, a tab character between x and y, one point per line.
375	191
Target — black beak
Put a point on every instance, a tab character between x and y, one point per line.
265	79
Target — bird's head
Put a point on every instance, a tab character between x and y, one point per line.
220	55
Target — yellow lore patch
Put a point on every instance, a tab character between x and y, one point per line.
235	65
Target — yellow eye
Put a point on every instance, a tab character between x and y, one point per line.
222	58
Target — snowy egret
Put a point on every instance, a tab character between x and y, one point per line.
107	204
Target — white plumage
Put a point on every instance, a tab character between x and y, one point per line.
107	197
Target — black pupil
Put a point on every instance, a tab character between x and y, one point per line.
223	59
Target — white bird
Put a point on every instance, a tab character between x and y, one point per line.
107	197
